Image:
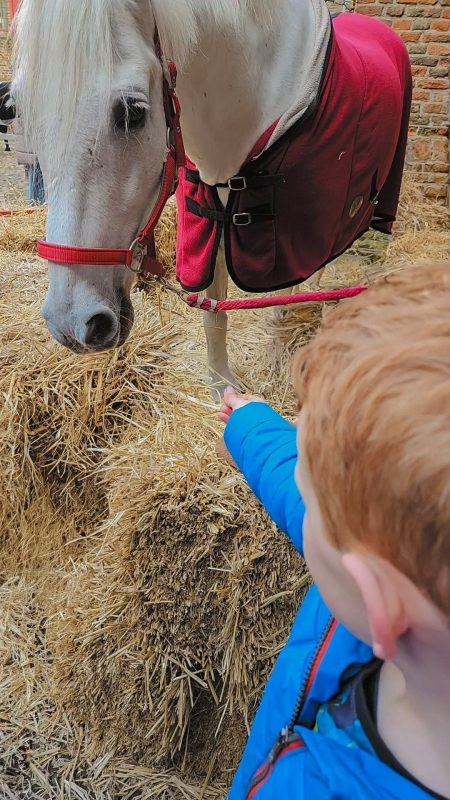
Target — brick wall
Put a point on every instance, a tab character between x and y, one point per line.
4	59
424	26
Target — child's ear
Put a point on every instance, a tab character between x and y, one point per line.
383	598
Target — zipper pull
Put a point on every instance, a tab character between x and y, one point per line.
283	739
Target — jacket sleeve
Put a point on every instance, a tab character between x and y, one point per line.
263	445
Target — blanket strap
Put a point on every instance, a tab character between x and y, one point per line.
239	182
241	219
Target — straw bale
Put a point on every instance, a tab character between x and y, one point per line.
418	246
18	233
144	592
41	750
417	212
164	591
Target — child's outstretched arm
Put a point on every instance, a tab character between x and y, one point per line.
263	445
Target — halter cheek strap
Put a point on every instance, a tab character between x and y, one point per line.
141	256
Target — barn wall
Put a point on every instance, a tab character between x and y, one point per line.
424	26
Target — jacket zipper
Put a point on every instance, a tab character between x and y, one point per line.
305	685
286	739
288	736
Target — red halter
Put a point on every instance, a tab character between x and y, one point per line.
140	257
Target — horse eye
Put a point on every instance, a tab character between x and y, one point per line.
128	114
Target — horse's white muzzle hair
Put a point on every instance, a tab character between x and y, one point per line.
84	319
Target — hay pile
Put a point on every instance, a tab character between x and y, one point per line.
144	592
425	230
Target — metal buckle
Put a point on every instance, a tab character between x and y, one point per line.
242	219
138	250
170	137
237	184
172	68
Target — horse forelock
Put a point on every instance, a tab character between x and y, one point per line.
61	50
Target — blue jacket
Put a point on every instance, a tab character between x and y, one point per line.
290	766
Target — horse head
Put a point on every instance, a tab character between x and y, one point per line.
88	87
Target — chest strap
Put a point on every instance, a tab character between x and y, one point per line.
241	219
239	182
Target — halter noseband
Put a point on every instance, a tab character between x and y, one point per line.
140	257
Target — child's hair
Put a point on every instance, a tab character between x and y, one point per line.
374	386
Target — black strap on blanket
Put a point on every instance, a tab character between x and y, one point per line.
241	219
239	182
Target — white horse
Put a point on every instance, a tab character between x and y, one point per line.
88	87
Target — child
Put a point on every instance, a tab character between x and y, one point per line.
358	704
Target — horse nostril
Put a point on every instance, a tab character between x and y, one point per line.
101	330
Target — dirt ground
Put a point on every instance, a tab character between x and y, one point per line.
13	185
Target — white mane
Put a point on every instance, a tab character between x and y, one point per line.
62	46
179	20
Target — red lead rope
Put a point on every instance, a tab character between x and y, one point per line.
16	212
208	304
214	306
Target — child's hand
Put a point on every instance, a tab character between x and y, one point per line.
232	400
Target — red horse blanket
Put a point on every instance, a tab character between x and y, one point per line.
329	177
